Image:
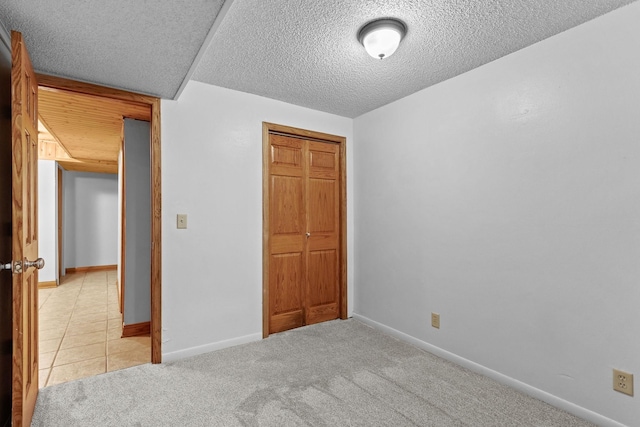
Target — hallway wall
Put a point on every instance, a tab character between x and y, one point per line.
137	289
47	219
90	219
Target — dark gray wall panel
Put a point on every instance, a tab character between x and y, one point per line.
137	285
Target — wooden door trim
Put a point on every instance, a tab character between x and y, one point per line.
272	128
90	268
156	193
68	85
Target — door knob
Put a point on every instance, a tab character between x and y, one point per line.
5	266
308	234
39	264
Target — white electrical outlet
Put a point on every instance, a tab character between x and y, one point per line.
435	320
623	382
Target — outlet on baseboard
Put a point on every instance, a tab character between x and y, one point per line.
623	382
435	320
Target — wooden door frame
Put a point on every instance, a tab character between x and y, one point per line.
272	128
156	208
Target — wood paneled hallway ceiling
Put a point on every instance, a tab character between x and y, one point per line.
83	132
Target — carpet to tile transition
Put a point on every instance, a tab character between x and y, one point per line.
339	373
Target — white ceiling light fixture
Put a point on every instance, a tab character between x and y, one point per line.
382	37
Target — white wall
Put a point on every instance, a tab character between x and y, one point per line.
507	199
47	219
90	219
120	219
137	266
212	171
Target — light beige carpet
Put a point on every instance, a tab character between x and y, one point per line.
339	373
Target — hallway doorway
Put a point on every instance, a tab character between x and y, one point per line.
86	161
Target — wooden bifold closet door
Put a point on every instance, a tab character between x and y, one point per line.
304	259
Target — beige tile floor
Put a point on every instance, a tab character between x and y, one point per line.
80	327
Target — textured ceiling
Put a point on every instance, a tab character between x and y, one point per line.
304	52
143	46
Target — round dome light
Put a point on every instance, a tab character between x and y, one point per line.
381	38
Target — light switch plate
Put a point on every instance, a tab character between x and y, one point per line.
182	221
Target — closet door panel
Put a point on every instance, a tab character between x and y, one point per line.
287	228
323	226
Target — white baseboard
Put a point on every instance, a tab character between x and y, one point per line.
574	409
194	351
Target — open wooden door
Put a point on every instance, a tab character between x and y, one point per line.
25	265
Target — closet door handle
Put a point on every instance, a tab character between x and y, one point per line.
308	234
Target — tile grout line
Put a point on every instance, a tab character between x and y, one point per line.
50	368
64	335
85	289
